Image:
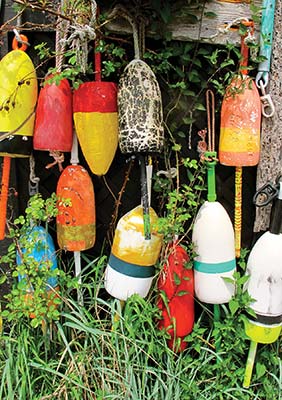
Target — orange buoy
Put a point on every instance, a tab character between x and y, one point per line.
176	283
76	230
239	142
53	123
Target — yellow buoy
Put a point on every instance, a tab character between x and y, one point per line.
18	96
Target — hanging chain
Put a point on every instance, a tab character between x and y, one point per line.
33	184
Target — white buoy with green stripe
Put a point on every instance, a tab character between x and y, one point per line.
130	269
213	237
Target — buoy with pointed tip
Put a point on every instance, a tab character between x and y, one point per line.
96	120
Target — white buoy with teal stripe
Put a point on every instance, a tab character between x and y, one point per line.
213	238
130	268
213	234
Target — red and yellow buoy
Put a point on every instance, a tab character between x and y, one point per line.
96	121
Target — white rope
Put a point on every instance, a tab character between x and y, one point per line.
171	173
122	12
80	36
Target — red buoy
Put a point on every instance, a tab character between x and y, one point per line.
53	123
177	284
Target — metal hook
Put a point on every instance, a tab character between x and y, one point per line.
268	108
265	194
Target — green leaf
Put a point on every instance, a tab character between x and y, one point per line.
181	134
182	293
260	369
176	279
233	306
210	14
200	107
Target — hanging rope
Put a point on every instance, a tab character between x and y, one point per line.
120	11
81	35
211	119
60	46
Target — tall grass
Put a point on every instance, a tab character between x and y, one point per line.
101	351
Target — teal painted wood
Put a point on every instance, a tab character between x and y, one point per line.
266	33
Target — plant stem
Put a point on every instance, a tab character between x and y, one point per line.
250	364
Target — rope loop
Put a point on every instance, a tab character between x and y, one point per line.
81	34
120	11
58	159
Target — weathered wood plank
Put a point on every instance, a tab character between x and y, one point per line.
209	29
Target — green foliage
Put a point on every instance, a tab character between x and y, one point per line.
102	350
31	295
181	203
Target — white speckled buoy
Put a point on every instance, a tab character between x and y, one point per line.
140	110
